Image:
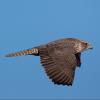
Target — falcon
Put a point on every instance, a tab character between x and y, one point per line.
60	58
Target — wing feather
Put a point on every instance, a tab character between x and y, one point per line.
59	65
78	57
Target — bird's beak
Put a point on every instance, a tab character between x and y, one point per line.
89	46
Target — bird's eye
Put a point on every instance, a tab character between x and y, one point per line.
86	43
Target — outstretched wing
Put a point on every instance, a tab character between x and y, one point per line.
59	65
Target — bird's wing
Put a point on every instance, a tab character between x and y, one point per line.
78	57
59	65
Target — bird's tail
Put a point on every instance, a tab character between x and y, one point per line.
32	51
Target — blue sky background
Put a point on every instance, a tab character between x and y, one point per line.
28	23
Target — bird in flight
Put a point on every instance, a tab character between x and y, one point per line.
59	58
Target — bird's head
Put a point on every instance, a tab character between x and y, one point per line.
81	46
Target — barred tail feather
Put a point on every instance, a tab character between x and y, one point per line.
33	51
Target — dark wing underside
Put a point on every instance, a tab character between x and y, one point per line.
78	57
59	65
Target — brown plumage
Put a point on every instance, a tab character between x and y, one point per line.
59	58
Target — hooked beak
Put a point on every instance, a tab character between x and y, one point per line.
89	46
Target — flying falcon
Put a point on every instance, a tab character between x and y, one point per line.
59	58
